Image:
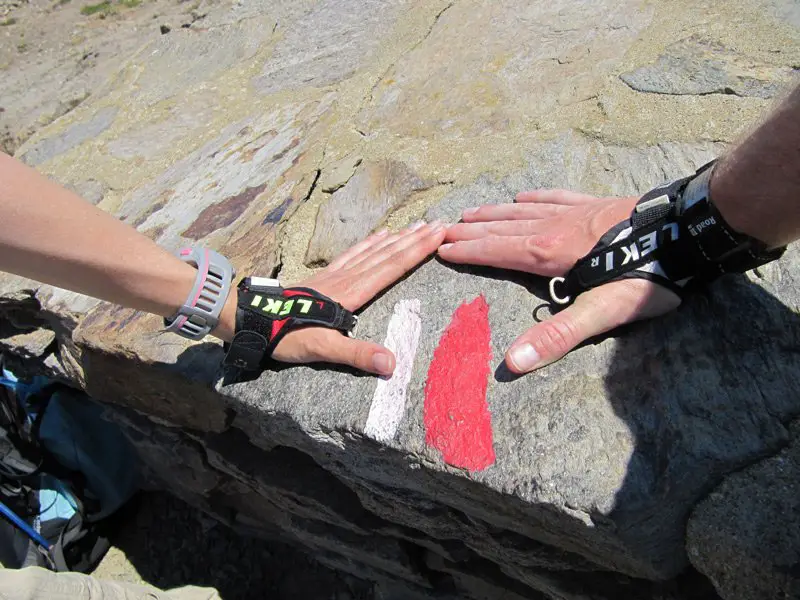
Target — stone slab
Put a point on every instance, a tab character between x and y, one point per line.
602	454
745	536
697	67
359	207
339	173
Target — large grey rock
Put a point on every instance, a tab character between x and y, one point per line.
698	67
220	139
356	209
745	536
328	43
69	139
612	473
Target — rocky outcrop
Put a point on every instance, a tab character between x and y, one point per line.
745	535
699	67
354	211
245	135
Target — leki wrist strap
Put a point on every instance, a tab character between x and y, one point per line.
266	312
674	235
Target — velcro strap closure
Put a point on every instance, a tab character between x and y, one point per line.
248	348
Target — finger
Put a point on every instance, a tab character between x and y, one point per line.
319	344
333	347
520	253
475	231
562	197
387	241
508	212
365	356
595	312
398	260
404	250
352	252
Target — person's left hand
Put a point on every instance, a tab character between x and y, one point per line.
545	232
353	279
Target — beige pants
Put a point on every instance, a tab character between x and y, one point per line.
35	583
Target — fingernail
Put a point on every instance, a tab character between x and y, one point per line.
417	225
382	363
469	211
381	232
445	247
437	225
525	357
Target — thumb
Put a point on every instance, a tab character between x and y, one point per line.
594	312
366	356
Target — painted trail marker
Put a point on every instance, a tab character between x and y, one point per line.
457	418
389	401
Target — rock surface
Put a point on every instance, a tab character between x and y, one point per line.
698	67
339	173
359	207
231	132
54	57
746	534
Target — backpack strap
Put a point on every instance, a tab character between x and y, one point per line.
81	545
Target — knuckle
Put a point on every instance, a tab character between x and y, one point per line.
550	252
539	247
360	355
556	337
477	215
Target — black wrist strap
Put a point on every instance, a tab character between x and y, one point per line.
674	235
266	313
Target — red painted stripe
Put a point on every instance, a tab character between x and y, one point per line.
457	418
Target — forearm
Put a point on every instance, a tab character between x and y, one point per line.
51	235
756	187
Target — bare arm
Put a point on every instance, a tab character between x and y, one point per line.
49	234
757	185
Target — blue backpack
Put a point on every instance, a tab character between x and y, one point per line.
65	473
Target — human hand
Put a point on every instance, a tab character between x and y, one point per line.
353	279
545	232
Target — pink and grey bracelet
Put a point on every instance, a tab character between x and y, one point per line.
199	315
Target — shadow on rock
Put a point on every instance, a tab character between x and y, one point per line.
704	392
172	545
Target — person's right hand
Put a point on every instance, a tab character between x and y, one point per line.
545	233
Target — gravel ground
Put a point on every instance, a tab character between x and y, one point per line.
168	544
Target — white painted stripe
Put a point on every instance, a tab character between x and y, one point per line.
389	401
